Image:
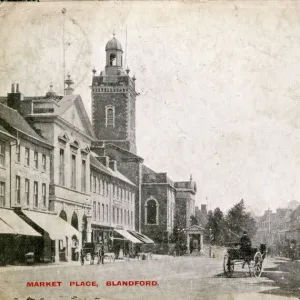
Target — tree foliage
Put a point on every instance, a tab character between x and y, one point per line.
229	228
237	220
215	226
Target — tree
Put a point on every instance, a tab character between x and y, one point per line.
237	220
178	235
215	226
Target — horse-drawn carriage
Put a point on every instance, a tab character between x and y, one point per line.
91	252
253	259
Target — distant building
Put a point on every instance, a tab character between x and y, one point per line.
273	227
185	201
201	215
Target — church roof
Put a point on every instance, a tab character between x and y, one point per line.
113	44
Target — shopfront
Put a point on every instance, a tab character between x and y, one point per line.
59	236
16	238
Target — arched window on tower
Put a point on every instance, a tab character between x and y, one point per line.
151	212
113	60
110	116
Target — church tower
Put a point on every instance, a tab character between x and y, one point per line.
113	101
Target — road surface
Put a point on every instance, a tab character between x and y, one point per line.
178	278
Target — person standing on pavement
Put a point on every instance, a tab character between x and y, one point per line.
101	253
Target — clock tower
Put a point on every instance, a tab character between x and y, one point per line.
113	101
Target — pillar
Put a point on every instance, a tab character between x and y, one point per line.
188	243
201	241
89	230
68	249
56	257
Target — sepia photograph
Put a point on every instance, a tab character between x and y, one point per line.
150	150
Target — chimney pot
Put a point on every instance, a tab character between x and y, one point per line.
12	88
17	89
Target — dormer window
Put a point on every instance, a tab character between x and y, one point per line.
110	116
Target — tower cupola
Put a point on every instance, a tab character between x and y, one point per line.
114	57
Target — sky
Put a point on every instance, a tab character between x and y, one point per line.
219	84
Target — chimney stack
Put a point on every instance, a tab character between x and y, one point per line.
113	165
14	99
104	160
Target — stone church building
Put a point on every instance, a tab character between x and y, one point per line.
114	99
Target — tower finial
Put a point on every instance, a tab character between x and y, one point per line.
114	33
69	90
191	177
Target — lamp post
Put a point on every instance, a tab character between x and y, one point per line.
210	230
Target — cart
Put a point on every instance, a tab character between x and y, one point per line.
254	260
90	252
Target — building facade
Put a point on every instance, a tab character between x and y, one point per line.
25	179
114	123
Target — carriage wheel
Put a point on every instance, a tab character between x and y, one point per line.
257	265
228	266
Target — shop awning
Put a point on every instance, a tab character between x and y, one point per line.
5	228
128	236
56	227
141	237
11	220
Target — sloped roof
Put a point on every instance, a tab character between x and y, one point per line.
15	120
70	100
96	163
152	177
3	130
147	170
129	154
108	171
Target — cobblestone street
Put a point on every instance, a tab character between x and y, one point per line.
191	277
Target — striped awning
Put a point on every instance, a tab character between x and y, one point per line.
141	237
128	236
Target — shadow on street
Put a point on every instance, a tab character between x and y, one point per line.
286	276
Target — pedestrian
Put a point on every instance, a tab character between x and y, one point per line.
191	247
199	248
101	254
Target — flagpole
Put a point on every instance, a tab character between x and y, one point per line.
64	52
125	66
